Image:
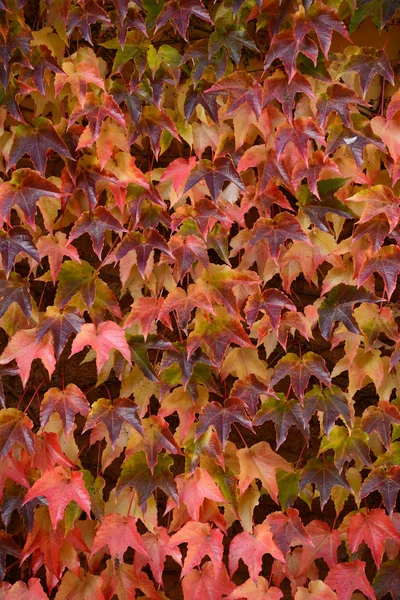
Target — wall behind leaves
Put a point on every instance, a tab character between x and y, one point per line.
200	355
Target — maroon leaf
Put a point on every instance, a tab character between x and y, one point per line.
222	417
285	48
179	12
338	99
271	302
143	244
368	62
300	371
16	290
386	482
214	174
67	403
95	224
36	141
12	243
325	476
24	190
61	324
113	415
274	232
386	262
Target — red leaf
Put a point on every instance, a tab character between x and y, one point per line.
180	11
36	141
118	532
107	336
347	577
373	528
67	403
60	487
251	547
202	541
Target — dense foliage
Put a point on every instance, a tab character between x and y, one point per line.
200	355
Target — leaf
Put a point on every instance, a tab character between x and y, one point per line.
368	62
251	547
232	39
178	170
242	89
302	130
338	99
24	347
205	583
59	487
214	174
153	123
284	414
386	262
32	591
12	243
260	462
325	545
61	325
179	12
42	60
271	302
332	403
355	140
67	403
374	528
288	530
249	391
325	476
347	446
378	199
157	436
274	232
338	306
347	577
202	541
387	580
158	548
95	224
300	371
102	339
75	279
95	110
219	281
222	418
279	87
7	547
79	72
118	532
387	483
16	290
113	415
186	251
380	419
203	97
36	141
55	248
143	244
317	590
136	474
24	189
195	488
217	333
325	21
259	590
285	47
